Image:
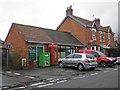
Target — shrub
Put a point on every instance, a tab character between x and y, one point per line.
14	61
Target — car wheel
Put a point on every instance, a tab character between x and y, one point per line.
61	65
80	67
103	64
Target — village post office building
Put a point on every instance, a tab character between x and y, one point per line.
30	41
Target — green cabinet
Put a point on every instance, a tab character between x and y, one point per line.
44	59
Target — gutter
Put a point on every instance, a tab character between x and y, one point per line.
38	42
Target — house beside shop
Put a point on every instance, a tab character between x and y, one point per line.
91	33
28	42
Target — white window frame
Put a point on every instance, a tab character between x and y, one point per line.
99	48
93	34
109	39
102	37
92	47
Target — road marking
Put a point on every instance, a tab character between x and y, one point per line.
54	80
115	69
35	84
64	78
17	74
62	81
106	71
29	77
79	77
5	87
93	74
8	72
45	85
20	88
49	78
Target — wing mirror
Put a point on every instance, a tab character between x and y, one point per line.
66	57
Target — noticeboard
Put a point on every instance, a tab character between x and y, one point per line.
32	53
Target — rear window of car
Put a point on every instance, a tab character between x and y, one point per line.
90	56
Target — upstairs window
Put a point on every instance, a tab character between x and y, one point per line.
108	37
102	36
93	34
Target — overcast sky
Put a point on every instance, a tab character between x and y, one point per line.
50	13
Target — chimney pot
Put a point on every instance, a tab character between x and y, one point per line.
69	10
97	21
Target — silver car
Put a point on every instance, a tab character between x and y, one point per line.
80	60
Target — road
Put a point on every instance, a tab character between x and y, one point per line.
105	79
54	77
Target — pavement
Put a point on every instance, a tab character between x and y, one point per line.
28	78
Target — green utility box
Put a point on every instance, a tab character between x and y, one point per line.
44	59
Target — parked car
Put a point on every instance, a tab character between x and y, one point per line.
102	59
118	60
80	60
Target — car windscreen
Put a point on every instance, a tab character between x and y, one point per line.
90	56
101	54
70	56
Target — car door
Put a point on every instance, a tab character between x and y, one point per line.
97	56
68	60
76	59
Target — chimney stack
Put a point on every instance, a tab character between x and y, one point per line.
97	21
69	10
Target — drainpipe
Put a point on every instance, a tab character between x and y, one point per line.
88	27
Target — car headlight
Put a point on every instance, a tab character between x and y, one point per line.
110	59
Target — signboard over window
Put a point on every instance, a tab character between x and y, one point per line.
32	53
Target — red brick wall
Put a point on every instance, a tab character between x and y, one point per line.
17	44
75	28
112	40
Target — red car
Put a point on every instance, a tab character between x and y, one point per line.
102	59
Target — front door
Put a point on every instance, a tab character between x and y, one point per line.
39	51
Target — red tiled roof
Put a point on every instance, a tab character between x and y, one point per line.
43	35
90	23
87	22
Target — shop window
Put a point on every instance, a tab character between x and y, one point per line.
62	54
65	50
32	53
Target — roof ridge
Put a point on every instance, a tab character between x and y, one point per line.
32	26
39	27
83	18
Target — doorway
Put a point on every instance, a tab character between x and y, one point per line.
39	51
